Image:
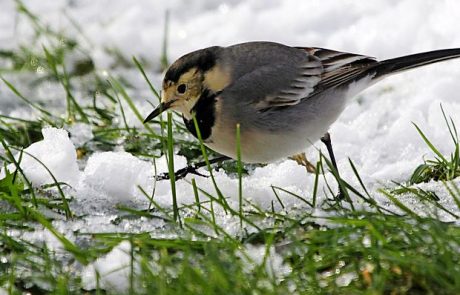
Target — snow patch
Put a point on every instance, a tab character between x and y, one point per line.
254	256
117	174
56	152
114	270
80	133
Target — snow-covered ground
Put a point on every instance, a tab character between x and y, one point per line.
375	131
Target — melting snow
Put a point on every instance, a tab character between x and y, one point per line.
56	152
114	270
375	131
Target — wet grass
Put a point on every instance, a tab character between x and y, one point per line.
440	168
351	246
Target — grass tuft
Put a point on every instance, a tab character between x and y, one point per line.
440	168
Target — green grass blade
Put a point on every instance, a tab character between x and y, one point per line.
195	193
319	164
30	103
164	52
119	88
171	171
208	165
122	111
80	255
278	197
64	80
454	192
430	145
67	211
141	69
18	168
240	172
293	194
399	204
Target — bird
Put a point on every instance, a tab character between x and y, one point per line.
283	98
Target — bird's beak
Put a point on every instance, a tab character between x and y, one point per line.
163	106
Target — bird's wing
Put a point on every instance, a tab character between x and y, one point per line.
301	83
339	67
287	84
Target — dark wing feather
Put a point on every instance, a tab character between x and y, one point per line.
322	70
339	67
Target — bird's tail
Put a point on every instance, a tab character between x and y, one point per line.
399	64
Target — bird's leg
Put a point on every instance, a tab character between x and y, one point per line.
191	169
326	139
302	160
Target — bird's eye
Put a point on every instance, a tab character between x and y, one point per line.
181	88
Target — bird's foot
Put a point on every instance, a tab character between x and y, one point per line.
191	169
181	173
302	160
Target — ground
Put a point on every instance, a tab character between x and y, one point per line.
72	99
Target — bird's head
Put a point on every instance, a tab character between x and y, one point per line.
188	78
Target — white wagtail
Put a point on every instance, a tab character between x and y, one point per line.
283	97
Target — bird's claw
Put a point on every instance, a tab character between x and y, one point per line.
191	169
181	173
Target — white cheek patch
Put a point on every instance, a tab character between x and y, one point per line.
185	107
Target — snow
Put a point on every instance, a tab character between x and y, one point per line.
115	177
375	131
346	278
116	173
114	270
80	133
55	152
254	256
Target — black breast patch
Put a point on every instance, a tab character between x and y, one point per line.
205	110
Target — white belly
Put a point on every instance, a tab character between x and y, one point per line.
263	147
310	121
